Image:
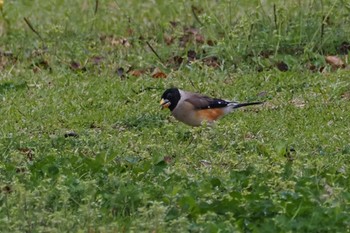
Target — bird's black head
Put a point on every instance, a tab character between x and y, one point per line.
170	98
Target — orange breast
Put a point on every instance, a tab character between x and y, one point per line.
210	114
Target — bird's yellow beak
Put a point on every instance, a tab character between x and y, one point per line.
165	103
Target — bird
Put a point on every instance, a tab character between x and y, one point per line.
195	109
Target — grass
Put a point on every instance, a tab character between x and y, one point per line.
85	148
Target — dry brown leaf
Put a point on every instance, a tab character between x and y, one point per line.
191	55
157	73
191	34
6	189
266	53
344	48
212	61
335	62
211	42
282	66
75	66
136	73
199	38
314	68
174	62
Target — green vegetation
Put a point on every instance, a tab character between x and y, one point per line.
85	148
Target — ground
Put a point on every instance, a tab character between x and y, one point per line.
85	146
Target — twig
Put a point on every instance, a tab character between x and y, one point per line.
32	28
324	19
96	6
275	16
155	53
193	85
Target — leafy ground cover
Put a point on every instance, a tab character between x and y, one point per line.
84	145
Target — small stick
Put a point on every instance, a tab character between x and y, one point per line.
96	6
324	18
275	15
32	28
155	53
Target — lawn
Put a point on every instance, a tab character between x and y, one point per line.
85	146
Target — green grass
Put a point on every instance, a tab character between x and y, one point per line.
131	167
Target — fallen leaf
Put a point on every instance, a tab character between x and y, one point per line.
7	189
136	73
191	55
71	134
120	72
174	61
191	34
266	53
212	61
314	68
282	66
335	62
344	48
20	169
157	73
199	38
28	152
211	42
290	153
75	66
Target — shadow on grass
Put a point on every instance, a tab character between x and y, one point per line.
6	86
140	122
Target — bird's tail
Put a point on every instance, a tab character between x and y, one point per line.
239	105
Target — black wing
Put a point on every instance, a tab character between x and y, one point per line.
205	102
